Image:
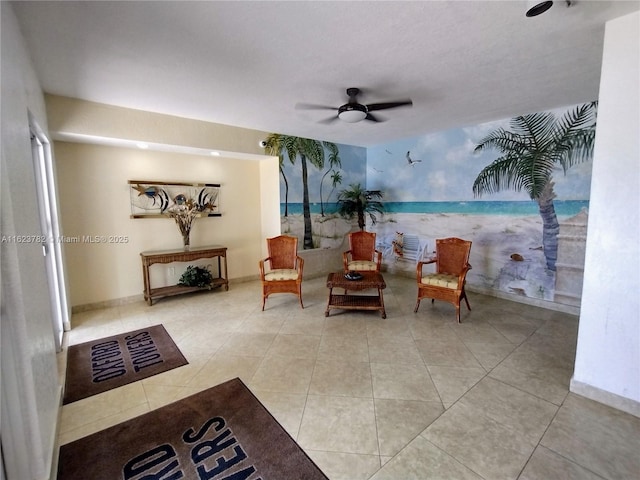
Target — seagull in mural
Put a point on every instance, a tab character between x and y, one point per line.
376	170
410	160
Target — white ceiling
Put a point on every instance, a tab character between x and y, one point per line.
248	63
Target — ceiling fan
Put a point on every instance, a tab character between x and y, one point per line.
352	111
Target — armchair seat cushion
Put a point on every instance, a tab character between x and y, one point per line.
281	274
440	280
362	265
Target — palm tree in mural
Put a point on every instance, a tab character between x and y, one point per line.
272	147
336	179
334	162
538	143
306	149
355	201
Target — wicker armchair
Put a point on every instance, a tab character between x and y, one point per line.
284	274
447	283
362	254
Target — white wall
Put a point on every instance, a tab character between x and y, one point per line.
30	389
95	201
607	364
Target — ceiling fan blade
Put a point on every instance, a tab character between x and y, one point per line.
329	120
373	118
386	105
313	106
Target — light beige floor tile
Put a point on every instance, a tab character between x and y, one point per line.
520	411
306	324
453	382
544	383
421	460
515	332
345	324
403	382
160	395
446	354
286	408
102	405
400	421
281	374
264	322
479	333
178	377
443	309
432	331
345	466
485	446
547	465
336	377
247	344
394	349
295	346
199	344
597	437
348	348
101	423
397	326
490	354
339	424
222	367
560	325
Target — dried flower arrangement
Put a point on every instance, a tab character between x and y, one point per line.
184	213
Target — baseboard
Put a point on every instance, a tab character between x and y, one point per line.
106	303
55	445
536	302
137	298
606	398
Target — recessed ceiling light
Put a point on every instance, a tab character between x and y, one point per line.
215	154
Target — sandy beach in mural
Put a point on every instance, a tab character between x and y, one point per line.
495	238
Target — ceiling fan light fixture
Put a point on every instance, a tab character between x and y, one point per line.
536	7
352	113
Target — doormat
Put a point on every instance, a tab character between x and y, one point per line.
223	432
100	365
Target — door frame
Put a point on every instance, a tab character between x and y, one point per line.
50	226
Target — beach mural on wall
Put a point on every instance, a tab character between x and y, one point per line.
428	186
324	185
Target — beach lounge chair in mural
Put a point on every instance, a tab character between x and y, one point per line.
284	272
409	247
362	254
448	280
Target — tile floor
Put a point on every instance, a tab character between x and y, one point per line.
414	396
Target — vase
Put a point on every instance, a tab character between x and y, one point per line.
186	241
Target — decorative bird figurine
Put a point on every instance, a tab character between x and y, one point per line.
410	160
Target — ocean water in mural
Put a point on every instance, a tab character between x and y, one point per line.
562	207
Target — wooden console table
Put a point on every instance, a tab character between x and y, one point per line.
181	255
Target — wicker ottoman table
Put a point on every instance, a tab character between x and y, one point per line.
369	280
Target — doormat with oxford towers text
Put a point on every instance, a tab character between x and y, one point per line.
100	365
222	433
